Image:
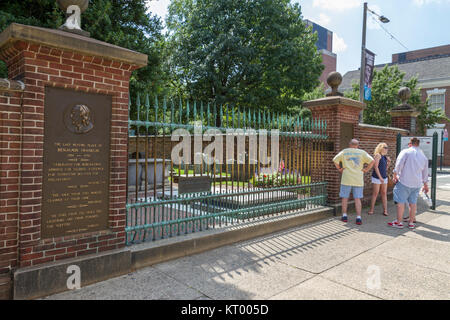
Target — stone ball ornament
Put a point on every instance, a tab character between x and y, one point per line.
334	80
73	10
404	94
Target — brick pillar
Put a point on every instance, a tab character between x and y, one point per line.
342	116
404	119
404	116
10	129
44	58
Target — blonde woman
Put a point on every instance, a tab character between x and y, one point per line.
380	177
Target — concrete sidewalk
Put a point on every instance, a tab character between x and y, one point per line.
324	260
445	170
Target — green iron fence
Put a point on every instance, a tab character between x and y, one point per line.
194	167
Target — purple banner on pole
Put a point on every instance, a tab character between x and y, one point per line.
368	75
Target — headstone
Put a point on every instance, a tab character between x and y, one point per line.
194	184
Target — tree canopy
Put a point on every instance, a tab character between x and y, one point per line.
385	85
124	23
255	54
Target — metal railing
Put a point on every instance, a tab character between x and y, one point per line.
187	174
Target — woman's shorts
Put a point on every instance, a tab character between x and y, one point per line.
377	181
356	191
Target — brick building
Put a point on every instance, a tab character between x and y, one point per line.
432	68
325	47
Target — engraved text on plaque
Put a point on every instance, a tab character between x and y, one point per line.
76	162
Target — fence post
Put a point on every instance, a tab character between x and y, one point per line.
399	143
442	148
434	170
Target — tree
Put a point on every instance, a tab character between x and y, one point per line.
317	93
385	85
254	54
124	23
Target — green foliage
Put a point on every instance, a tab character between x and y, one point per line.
255	54
124	23
385	85
317	93
41	13
305	113
279	179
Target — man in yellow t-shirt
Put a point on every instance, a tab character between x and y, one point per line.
352	160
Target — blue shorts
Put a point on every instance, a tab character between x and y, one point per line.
356	191
404	194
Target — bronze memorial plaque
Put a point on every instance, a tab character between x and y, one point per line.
75	191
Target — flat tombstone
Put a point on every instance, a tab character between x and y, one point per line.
194	184
76	162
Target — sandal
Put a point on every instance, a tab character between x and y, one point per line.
385	214
370	213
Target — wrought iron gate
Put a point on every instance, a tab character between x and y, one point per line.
186	174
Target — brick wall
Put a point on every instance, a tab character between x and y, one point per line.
370	137
335	111
403	122
40	66
447	124
9	184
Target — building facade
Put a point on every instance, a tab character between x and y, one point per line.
432	68
325	47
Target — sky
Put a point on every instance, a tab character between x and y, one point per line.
416	24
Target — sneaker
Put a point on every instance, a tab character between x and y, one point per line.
358	221
406	219
344	219
411	225
396	224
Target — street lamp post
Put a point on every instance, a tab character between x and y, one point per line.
383	19
363	55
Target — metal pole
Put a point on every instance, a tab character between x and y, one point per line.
399	143
433	171
442	148
363	56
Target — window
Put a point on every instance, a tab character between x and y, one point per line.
436	99
402	57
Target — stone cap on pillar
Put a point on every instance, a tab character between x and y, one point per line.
70	41
334	101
